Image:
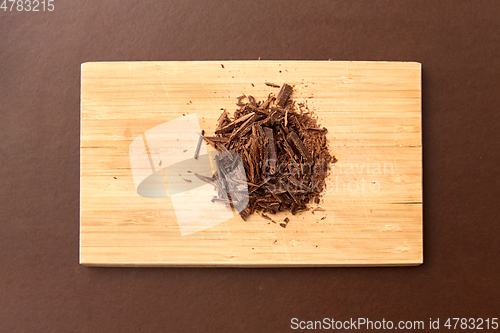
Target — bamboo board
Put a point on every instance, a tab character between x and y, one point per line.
373	202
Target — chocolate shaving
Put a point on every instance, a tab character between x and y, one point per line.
212	140
264	105
239	102
284	153
228	128
223	119
294	139
268	218
274	85
251	99
198	146
205	179
283	95
271	149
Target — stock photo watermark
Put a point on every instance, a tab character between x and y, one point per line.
171	161
346	177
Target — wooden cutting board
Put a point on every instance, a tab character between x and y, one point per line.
373	202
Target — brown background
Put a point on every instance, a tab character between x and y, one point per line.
44	289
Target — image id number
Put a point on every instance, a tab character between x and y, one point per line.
27	5
471	323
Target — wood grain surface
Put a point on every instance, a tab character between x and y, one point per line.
373	202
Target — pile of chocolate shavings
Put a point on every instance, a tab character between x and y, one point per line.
284	152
